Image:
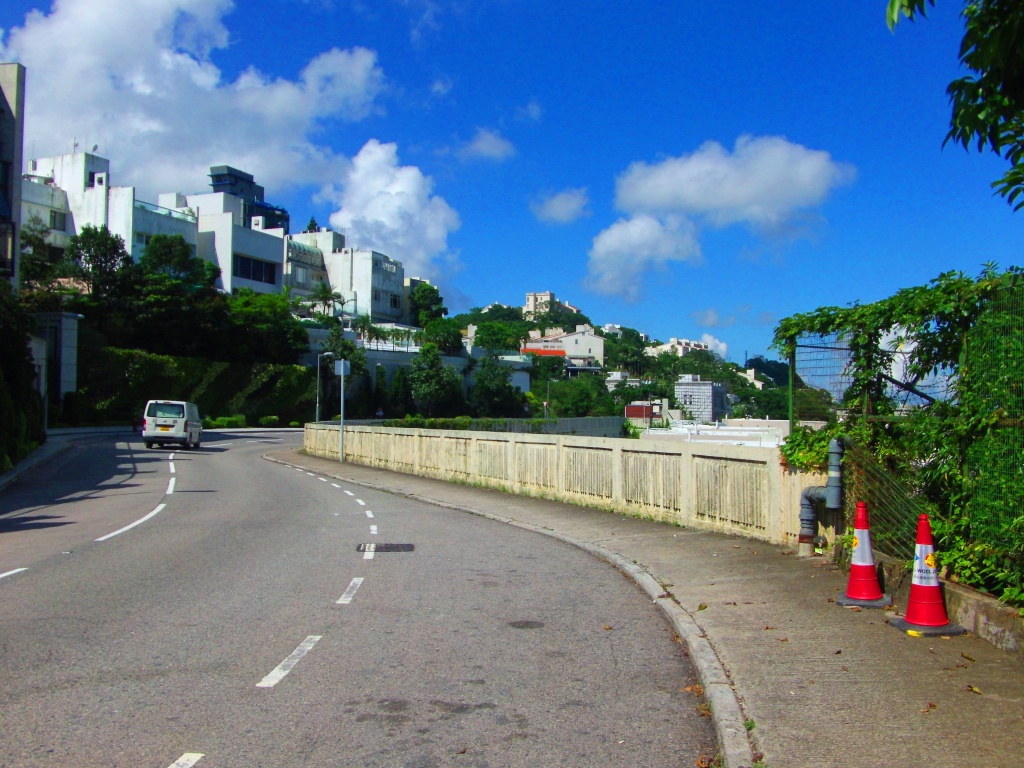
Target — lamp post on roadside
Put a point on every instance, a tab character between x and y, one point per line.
322	354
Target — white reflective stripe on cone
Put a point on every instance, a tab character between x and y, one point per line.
862	548
925	572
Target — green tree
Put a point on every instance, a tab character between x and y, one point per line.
627	353
400	395
325	296
39	260
103	262
445	335
312	226
426	305
170	255
499	337
492	394
381	399
264	328
988	103
436	387
21	408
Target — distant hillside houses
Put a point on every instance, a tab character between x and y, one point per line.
582	349
675	346
232	226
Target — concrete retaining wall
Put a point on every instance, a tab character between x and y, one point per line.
727	488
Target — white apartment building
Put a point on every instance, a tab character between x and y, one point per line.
84	179
369	282
581	348
705	401
675	346
305	265
539	303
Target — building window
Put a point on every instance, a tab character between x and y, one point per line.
58	221
92	179
254	269
141	238
300	275
376	295
395	303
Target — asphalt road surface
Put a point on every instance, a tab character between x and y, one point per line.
165	608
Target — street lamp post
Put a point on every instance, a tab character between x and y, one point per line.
322	354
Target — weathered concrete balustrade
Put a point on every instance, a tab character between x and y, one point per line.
729	488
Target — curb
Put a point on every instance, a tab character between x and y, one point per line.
48	450
727	716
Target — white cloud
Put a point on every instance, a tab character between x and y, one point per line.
716	345
391	208
712	318
562	207
532	112
441	87
489	145
625	251
766	181
135	77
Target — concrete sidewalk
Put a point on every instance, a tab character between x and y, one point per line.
792	679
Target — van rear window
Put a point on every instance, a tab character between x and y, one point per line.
166	410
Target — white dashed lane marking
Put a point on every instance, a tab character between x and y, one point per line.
346	598
360	502
368	552
288	664
187	760
369	513
11	573
170	486
349	493
172	467
373	530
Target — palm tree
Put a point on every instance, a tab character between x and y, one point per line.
325	296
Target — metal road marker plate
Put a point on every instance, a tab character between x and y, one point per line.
384	547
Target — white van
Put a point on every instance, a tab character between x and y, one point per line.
171	421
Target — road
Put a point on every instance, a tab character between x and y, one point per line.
177	608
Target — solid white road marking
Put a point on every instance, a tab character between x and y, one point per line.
346	598
368	552
11	573
373	530
137	522
286	666
172	467
369	513
170	486
187	760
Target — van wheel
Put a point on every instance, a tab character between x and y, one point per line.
149	444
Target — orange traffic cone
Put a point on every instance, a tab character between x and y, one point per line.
926	611
862	589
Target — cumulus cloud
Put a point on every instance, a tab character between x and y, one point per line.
391	208
488	145
716	345
767	183
136	78
625	251
562	207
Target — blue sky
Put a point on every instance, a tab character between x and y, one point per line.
688	170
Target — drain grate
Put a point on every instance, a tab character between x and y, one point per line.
384	548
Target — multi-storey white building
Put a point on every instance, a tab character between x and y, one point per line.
84	179
675	346
369	282
539	303
704	401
